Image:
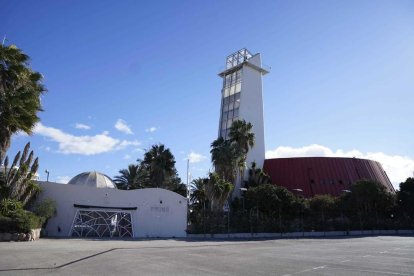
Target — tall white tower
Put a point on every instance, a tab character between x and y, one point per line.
242	99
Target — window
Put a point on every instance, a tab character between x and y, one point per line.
237	96
229	122
238	88
223	124
226	92
238	76
226	100
230	114
232	89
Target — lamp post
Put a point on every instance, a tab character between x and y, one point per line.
301	208
47	172
243	190
342	211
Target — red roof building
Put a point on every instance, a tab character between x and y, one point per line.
324	175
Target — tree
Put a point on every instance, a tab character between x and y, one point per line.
181	189
131	178
211	192
217	191
269	198
160	164
198	192
242	137
265	198
406	197
224	157
368	201
323	207
257	177
20	91
16	181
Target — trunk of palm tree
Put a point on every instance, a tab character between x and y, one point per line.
5	138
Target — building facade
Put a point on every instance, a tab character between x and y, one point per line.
91	206
310	176
242	99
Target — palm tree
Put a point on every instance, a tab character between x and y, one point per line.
212	190
20	91
217	191
224	157
198	192
257	177
16	181
242	137
131	178
160	164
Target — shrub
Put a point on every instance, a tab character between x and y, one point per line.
28	221
11	207
8	225
45	209
23	222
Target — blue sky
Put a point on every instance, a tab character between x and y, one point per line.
125	75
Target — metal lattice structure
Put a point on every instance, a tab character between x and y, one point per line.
102	223
237	58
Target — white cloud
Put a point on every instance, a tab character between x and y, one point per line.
151	129
398	167
21	134
63	179
84	145
82	126
127	156
195	157
122	126
125	143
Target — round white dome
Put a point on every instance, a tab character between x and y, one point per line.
92	179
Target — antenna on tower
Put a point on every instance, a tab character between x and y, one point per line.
4	40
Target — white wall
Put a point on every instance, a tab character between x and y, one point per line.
251	108
148	220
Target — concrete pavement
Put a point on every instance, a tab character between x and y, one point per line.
381	255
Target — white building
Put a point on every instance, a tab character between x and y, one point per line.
242	99
90	206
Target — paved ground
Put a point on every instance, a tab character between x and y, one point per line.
388	255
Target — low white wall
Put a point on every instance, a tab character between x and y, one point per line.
160	213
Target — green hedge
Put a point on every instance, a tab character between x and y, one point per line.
22	223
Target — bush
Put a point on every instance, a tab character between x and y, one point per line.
23	222
45	209
11	207
28	221
8	225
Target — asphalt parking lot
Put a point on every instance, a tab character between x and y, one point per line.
381	255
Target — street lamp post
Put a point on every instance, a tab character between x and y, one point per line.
301	209
243	190
342	211
47	178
